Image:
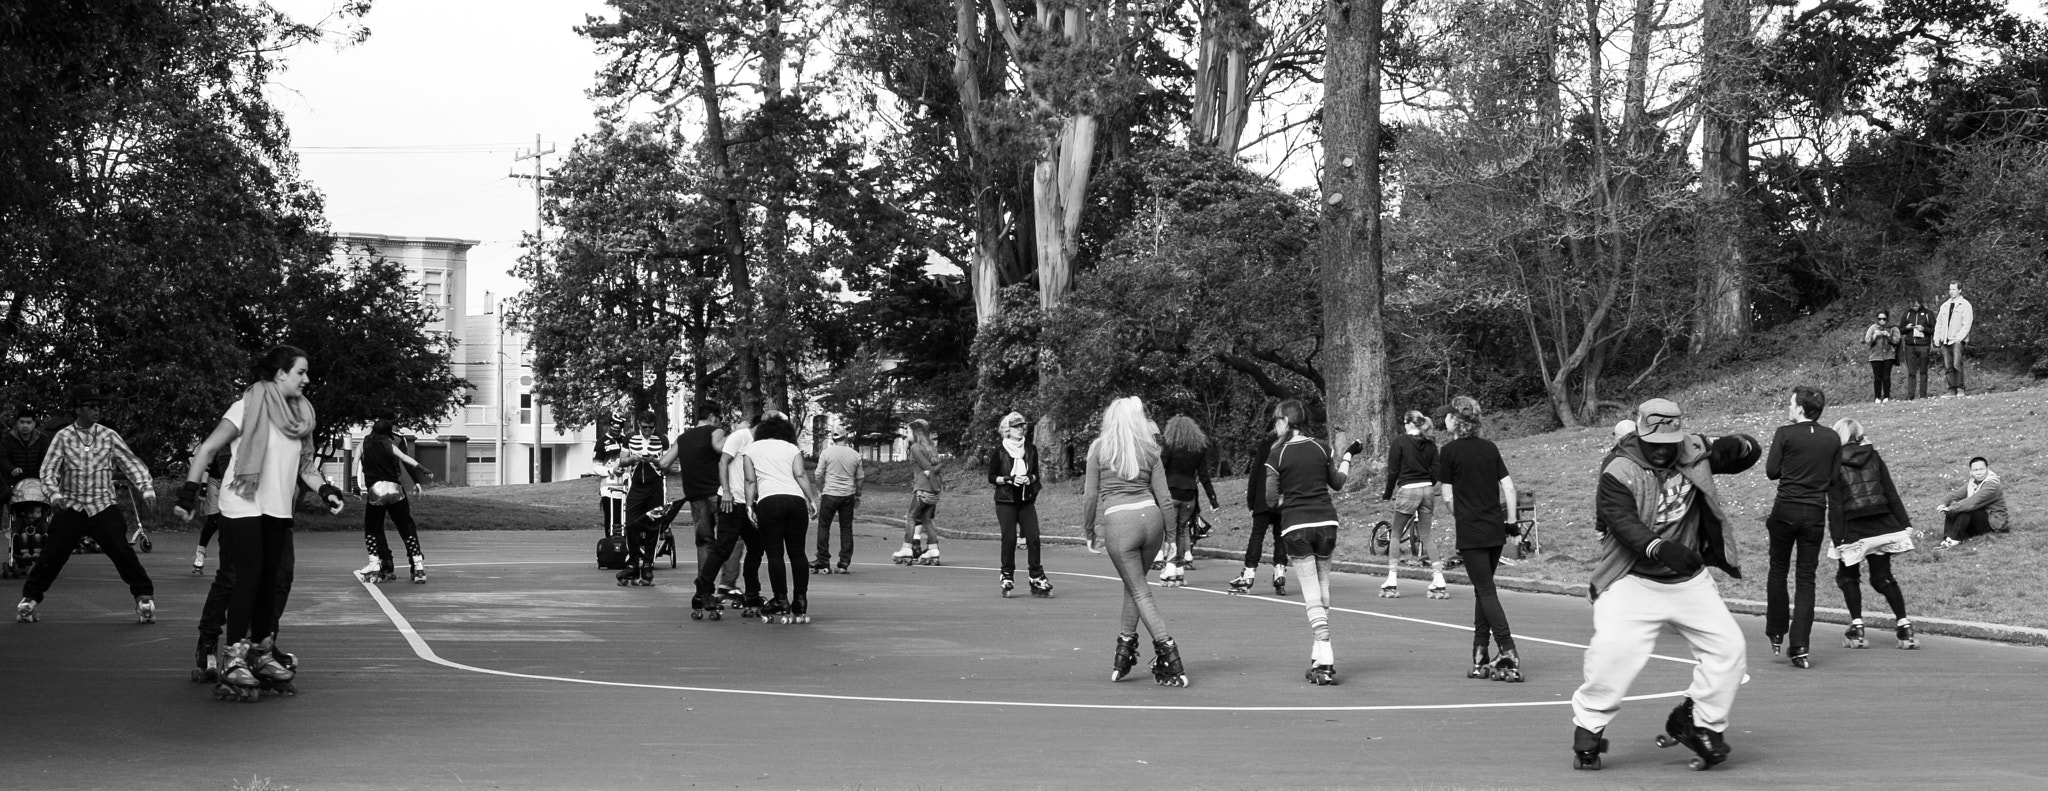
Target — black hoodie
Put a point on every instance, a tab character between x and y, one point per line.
1861	475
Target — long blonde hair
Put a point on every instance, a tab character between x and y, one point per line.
1126	443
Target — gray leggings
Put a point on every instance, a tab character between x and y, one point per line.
1132	538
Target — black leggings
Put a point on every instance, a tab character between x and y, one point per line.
373	531
1850	578
1011	517
1487	614
257	548
1881	378
785	521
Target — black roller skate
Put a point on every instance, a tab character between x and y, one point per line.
646	576
730	599
1508	667
1482	664
235	681
1280	583
628	576
700	609
1800	658
820	566
1777	643
1905	635
800	609
843	568
1586	749
1853	638
206	657
750	607
775	611
1125	658
1707	745
1041	588
1005	583
1166	668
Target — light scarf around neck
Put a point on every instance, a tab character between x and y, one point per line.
265	406
1013	438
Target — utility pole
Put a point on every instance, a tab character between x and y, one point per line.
539	181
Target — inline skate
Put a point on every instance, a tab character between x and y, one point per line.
1125	658
1905	635
1853	638
1041	588
630	575
1708	747
235	681
271	675
1166	667
1586	748
700	609
1005	583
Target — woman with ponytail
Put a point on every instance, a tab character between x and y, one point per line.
1477	488
270	434
1301	474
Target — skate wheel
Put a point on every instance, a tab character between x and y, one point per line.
1593	764
714	615
1698	764
696	616
1665	740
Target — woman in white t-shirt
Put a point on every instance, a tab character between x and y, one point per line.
270	431
782	503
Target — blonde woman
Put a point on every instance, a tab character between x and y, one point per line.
1125	489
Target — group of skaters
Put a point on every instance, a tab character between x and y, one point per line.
1922	339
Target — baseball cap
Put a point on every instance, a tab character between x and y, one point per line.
1659	420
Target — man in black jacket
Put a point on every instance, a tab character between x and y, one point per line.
1802	460
1661	524
1917	329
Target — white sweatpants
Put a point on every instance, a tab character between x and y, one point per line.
1626	621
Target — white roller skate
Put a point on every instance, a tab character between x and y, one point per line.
904	556
372	572
1390	589
1243	584
1172	576
1905	635
419	570
198	561
25	612
1322	664
930	556
1005	584
145	609
1437	588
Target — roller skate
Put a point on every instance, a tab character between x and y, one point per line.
1172	576
700	609
374	572
1159	560
235	681
1482	664
730	599
1125	658
820	566
930	557
800	609
419	570
206	658
1508	667
750	607
1707	745
775	611
1322	665
1005	583
1905	634
1166	669
1800	658
843	568
1243	584
1280	581
1437	589
198	561
630	575
25	612
1586	748
1041	588
145	609
1777	643
904	556
1187	563
1853	638
1391	588
271	675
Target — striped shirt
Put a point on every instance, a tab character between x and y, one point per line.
79	472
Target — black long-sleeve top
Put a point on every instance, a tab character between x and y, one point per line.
1185	469
1410	459
380	462
1255	483
1002	467
1802	461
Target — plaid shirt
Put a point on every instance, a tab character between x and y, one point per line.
79	471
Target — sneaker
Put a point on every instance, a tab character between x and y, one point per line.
1946	543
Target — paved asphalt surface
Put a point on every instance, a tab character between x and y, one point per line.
521	665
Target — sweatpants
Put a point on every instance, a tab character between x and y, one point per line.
1132	538
1014	517
1627	618
107	527
784	521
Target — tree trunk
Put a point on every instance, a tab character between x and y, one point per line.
1352	258
775	221
733	223
1724	172
984	267
1059	190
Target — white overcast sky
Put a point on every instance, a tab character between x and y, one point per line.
414	131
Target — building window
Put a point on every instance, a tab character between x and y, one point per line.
525	409
483	460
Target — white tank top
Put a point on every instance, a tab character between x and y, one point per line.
774	461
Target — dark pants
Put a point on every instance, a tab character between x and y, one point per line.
373	531
214	615
830	506
1850	580
1916	359
256	547
208	528
1261	522
1488	616
107	527
1184	513
1952	364
784	520
641	533
1959	525
1800	527
1881	378
1011	517
733	529
704	514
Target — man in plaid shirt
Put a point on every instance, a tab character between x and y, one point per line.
78	475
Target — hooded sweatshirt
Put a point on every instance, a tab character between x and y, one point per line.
1860	478
1638	503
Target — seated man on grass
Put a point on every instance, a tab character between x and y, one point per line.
1975	508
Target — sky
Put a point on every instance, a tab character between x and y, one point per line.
414	132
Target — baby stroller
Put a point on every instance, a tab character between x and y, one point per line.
1523	529
667	545
29	508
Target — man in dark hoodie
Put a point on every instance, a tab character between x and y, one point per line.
1661	524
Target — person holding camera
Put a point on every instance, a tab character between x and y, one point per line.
1917	331
1883	339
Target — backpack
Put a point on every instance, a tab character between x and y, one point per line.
1865	491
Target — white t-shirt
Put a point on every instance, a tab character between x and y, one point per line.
735	444
279	484
775	463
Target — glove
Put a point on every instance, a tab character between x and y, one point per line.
1356	447
1681	559
188	499
332	497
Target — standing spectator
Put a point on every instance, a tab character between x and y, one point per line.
1185	455
1014	472
611	486
1975	508
1411	470
695	455
1883	339
1660	519
1301	475
841	476
783	502
1868	523
382	463
920	537
1124	489
1477	487
1951	331
78	477
1802	461
1919	332
1264	517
